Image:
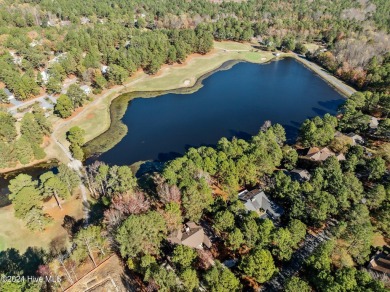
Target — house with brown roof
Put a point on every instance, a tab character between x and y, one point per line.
317	154
192	236
380	263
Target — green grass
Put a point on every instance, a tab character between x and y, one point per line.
232	46
311	47
15	234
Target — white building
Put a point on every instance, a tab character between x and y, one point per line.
87	90
103	69
45	76
17	59
373	123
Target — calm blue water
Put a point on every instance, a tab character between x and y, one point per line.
234	102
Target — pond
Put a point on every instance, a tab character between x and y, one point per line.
233	102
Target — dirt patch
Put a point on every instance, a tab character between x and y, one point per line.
75	113
90	116
108	276
379	240
32	34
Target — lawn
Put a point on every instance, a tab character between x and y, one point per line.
311	47
14	233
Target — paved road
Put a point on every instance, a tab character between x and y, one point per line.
297	260
338	84
14	109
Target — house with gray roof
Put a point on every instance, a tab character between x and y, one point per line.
356	139
87	90
256	200
300	175
373	123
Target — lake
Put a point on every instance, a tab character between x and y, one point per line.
234	102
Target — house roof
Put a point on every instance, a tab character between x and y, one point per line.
340	157
316	154
256	199
87	89
373	123
355	138
319	155
380	263
301	173
312	150
193	236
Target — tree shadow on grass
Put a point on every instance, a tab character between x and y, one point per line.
13	263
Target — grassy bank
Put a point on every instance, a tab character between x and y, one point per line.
15	234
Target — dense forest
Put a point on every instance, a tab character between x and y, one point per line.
126	36
345	197
24	144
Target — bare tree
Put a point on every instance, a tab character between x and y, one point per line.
165	192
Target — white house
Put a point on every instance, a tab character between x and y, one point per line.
103	69
87	90
45	76
17	59
373	123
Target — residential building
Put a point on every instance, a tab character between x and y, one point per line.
45	76
373	123
300	174
257	201
380	263
103	69
317	154
356	139
87	90
192	236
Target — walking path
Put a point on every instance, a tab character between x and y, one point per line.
332	80
77	166
338	84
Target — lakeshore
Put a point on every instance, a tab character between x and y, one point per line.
95	116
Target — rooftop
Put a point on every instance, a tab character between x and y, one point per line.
380	263
373	122
301	174
316	154
193	236
256	199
